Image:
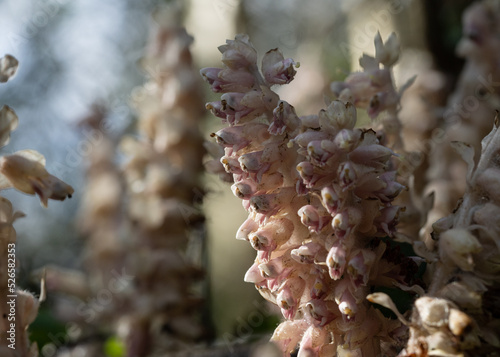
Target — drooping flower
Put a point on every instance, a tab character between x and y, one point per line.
25	171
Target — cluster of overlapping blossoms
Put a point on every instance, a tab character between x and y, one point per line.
318	191
25	171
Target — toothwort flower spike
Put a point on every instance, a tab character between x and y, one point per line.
316	227
467	271
142	220
25	171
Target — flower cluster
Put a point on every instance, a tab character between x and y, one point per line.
459	313
24	171
467	116
162	184
373	88
142	221
318	192
374	91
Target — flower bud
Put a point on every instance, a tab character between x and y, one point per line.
311	218
338	115
231	165
288	298
305	138
346	139
231	137
276	69
330	199
336	261
320	311
392	187
306	172
345	300
388	219
312	342
216	109
276	271
387	53
318	288
211	75
347	175
306	253
433	311
287	303
283	116
459	245
371	155
231	105
260	241
251	162
340	224
246	228
317	154
359	266
234	81
253	275
243	189
238	53
288	334
270	269
267	204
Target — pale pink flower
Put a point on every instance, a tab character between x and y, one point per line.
277	69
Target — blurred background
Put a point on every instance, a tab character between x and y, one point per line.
77	53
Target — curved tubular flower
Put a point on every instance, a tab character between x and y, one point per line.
319	195
25	171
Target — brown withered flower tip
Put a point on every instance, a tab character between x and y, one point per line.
8	67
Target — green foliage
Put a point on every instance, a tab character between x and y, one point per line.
44	327
113	347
